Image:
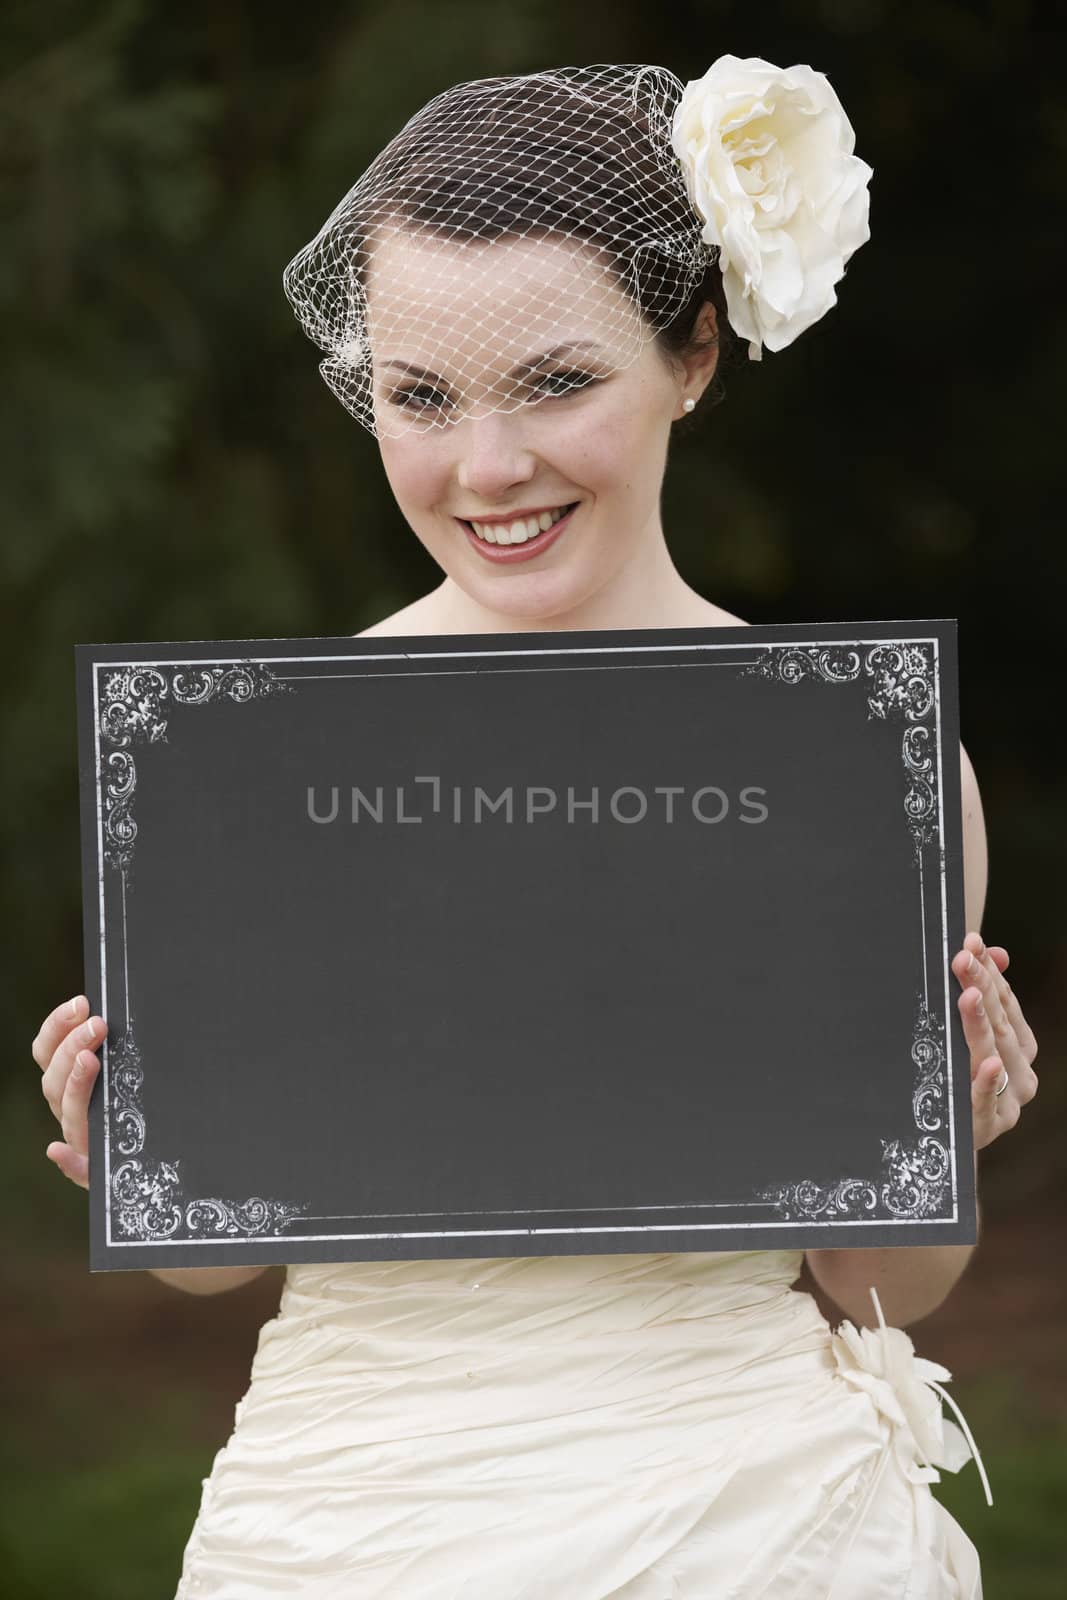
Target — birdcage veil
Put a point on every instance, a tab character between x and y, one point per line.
576	154
509	213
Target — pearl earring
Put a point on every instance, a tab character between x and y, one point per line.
687	405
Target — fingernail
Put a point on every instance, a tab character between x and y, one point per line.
979	1009
74	1006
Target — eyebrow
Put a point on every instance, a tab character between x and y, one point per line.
521	370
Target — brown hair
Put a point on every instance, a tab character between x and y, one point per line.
611	181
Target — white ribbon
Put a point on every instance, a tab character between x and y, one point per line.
904	1387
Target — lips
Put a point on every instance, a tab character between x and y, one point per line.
507	554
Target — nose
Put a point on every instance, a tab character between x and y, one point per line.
492	455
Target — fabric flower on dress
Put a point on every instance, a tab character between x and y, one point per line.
767	154
906	1390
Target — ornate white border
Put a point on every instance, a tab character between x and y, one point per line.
915	1177
917	1180
147	1195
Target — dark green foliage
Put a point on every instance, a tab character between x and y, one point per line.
173	467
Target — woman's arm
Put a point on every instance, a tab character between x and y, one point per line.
206	1280
912	1281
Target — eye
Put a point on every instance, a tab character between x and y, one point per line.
411	399
408	399
569	380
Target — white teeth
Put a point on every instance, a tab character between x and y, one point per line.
518	532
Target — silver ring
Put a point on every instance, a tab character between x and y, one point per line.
1004	1085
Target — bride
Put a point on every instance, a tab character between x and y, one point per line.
529	288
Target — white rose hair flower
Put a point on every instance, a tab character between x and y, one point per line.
767	154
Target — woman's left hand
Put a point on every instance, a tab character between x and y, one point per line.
999	1037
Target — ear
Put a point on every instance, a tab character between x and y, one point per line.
700	368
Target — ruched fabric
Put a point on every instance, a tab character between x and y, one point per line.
645	1427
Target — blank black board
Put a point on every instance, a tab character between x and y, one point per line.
522	944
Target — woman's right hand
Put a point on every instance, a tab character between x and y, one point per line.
65	1050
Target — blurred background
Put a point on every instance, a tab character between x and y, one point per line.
173	467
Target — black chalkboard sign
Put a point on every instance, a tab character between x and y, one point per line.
518	944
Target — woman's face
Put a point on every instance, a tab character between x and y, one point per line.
590	425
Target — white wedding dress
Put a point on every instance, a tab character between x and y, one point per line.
645	1427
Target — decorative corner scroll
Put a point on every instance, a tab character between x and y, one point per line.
900	683
914	1182
134	704
148	1195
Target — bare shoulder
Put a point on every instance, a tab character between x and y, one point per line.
973	814
712	616
967	772
975	845
420	617
411	619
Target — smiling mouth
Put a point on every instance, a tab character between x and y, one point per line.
524	530
528	549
